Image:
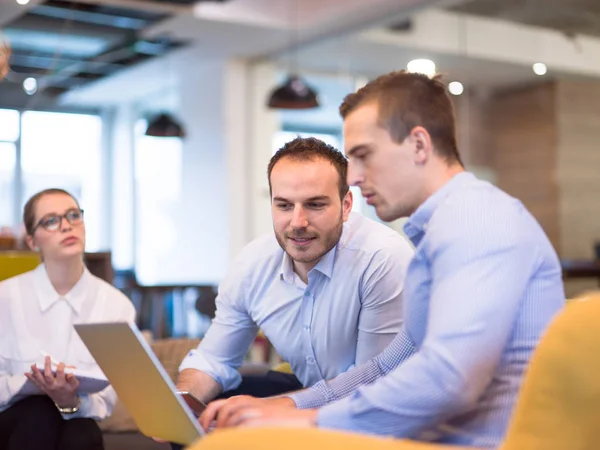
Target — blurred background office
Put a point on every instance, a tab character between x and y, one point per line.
161	116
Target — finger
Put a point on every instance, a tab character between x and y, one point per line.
37	375
72	380
234	406
60	374
48	375
242	416
209	414
31	378
47	365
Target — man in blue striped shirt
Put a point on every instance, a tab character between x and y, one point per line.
482	287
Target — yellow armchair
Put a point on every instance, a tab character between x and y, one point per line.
16	263
558	407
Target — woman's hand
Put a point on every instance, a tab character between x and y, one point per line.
61	388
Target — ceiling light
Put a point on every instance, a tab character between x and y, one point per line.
22	2
424	66
293	94
540	69
456	88
164	125
30	86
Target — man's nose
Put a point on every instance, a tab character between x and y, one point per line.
355	176
299	219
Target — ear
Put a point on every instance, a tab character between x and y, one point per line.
31	244
422	142
347	203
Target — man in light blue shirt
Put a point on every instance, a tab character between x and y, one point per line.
482	287
325	288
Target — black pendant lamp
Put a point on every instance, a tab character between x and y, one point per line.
293	94
164	125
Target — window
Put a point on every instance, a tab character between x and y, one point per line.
64	151
9	134
9	131
40	150
7	183
158	206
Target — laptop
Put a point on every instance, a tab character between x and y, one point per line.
140	381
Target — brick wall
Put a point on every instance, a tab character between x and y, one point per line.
579	167
542	144
522	126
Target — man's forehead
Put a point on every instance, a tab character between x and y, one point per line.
365	114
305	182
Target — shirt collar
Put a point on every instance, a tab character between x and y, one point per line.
48	296
416	225
325	264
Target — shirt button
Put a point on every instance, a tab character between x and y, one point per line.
310	360
307	293
307	327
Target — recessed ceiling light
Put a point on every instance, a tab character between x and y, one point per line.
540	69
30	86
22	2
424	66
456	88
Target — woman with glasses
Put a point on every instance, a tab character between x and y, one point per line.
38	343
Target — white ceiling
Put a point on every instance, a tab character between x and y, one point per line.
355	56
250	29
330	36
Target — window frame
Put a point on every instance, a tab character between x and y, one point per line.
17	185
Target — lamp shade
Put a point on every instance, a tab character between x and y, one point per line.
293	94
164	125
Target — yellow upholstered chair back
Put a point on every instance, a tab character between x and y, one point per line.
16	263
559	404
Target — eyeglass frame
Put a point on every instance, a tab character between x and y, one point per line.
61	217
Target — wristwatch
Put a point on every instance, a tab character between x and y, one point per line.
72	410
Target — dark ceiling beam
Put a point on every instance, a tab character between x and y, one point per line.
107	20
48	62
69	29
110	57
19	73
149	6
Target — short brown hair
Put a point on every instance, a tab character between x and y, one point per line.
407	100
309	149
30	207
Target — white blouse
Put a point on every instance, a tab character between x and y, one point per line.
34	319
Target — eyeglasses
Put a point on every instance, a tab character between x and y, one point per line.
53	222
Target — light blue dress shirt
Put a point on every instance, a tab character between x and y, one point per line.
349	311
482	288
